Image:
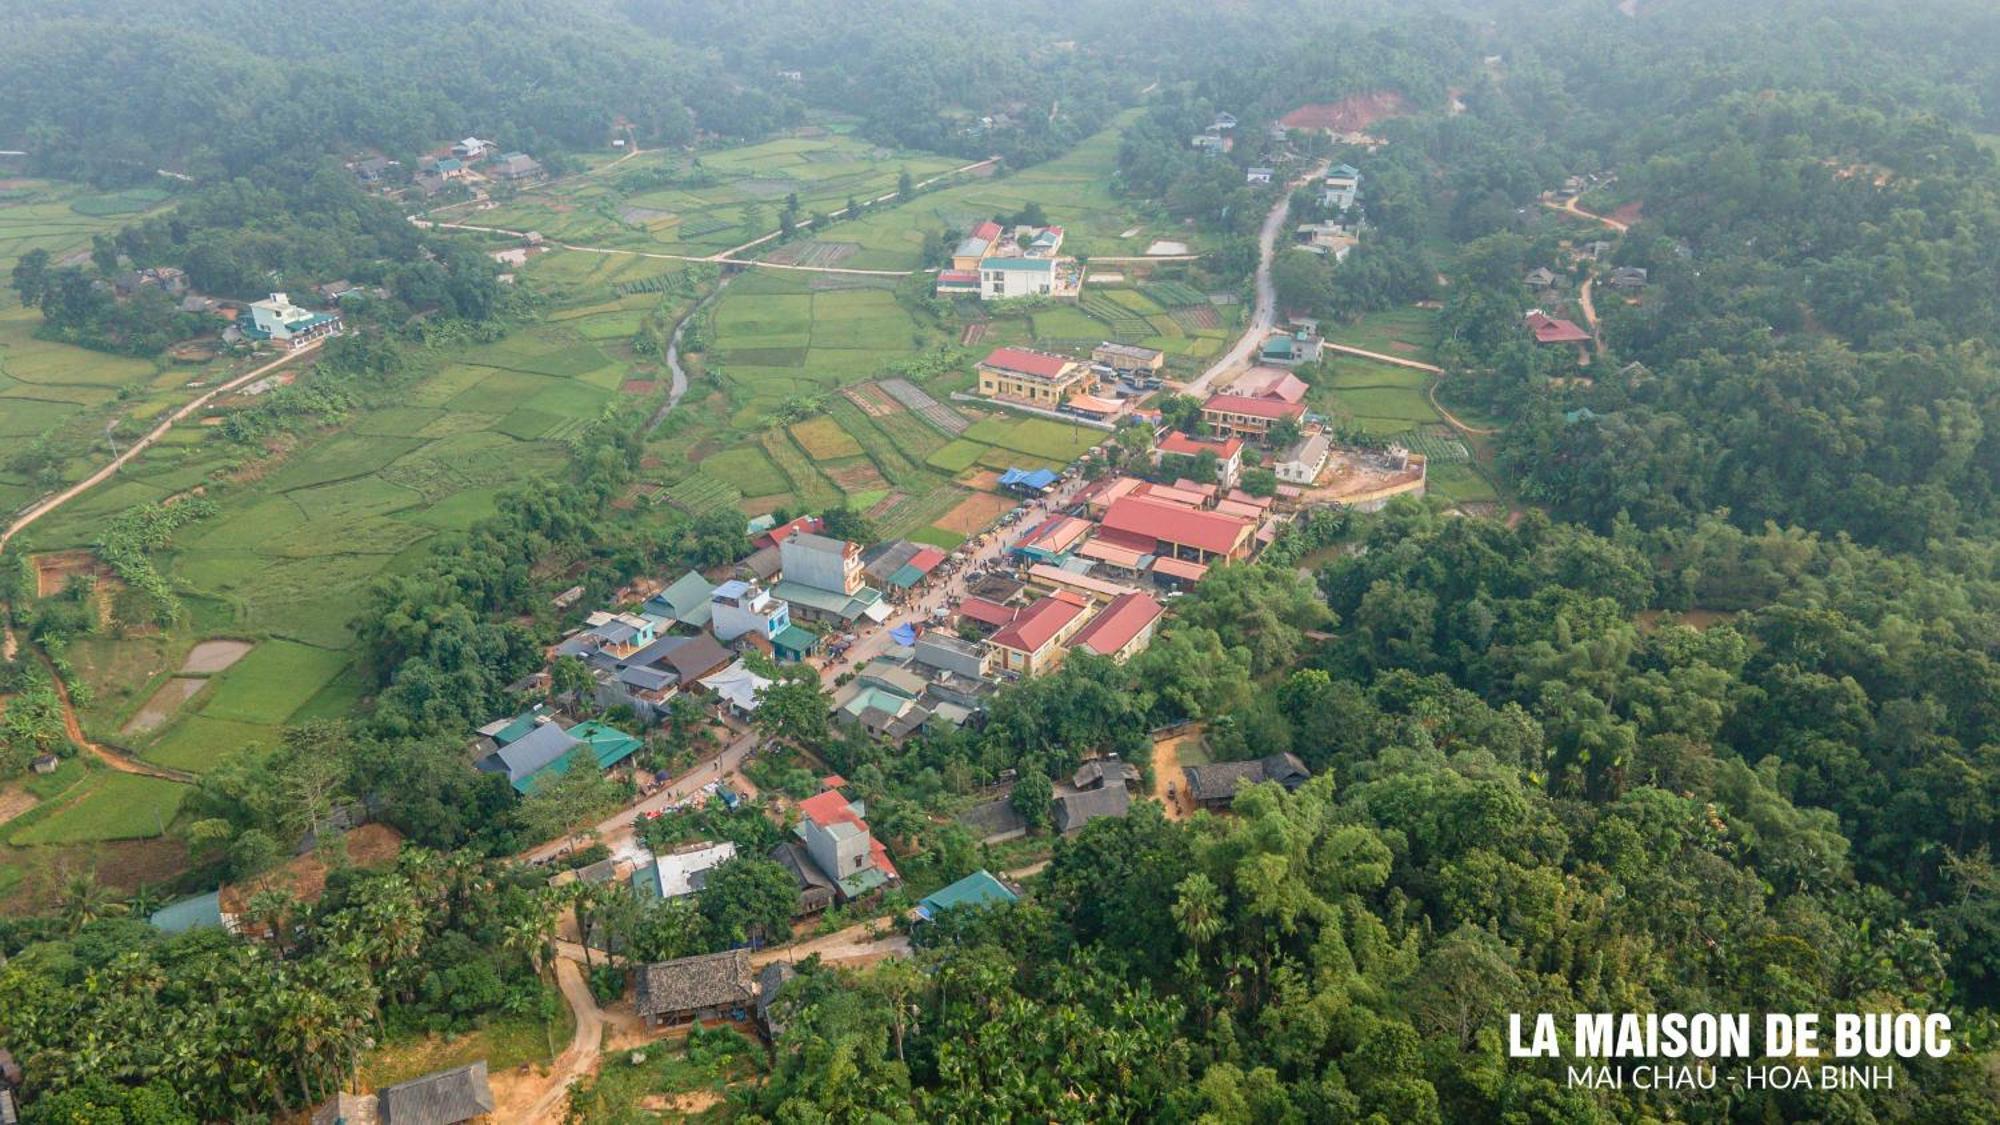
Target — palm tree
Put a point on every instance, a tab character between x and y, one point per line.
85	900
145	901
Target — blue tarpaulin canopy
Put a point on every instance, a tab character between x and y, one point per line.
903	634
1036	479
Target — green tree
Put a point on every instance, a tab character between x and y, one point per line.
748	899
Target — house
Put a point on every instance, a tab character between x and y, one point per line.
1036	377
689	658
429	183
617	635
1072	811
1214	786
713	986
823	581
1553	330
606	743
1129	359
1212	144
1044	243
1338	190
1122	629
1272	383
1628	277
881	712
994	822
1169	531
976	891
681	873
515	166
1259	175
1236	414
447	1097
1028	482
762	565
737	687
1033	642
1326	237
1223	122
1053	539
840	844
737	608
983	240
816	891
1305	460
987	615
957	283
46	764
1003	279
1290	349
776	535
1104	773
524	760
1541	277
276	318
472	148
447	167
1228	453
687	600
946	653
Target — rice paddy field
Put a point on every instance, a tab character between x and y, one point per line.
1410	333
703	203
53	393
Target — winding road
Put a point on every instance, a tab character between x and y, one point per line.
1264	314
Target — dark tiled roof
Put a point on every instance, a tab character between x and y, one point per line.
1074	810
444	1098
770	981
1221	780
993	818
1105	771
714	980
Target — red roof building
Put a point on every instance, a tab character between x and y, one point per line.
1022	361
1122	629
830	808
988	230
1033	641
1168	530
993	615
1185	446
1030	376
1270	382
1240	414
809	524
1555	330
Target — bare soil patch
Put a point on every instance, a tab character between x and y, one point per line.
1351	114
54	570
974	513
882	506
1169	783
162	704
860	477
210	657
15	803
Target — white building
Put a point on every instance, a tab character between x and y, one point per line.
1341	187
833	565
1002	278
1304	461
277	318
682	873
737	608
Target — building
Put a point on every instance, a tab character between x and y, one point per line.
814	560
447	1097
523	759
1071	811
515	166
957	283
945	653
685	601
1259	175
816	891
1554	330
1340	188
472	148
1326	237
737	608
277	319
839	843
1628	277
771	537
976	891
1129	359
373	170
1030	376
1033	642
713	986
1122	629
977	246
737	687
1228	453
1541	277
1272	383
1290	349
681	873
1237	414
1106	772
1002	279
1305	460
1172	531
1214	786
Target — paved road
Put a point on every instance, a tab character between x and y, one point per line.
619	831
918	609
44	507
1264	314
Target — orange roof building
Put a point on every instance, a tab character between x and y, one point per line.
1034	641
1121	629
1176	532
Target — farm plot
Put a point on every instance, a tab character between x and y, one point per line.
824	440
748	470
1411	333
107	806
1037	437
1380	398
276	679
924	406
813	490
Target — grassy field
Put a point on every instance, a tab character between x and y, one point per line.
1378	398
107	806
1410	333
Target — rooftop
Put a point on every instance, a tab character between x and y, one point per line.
1269	408
978	889
1150	519
1022	361
1182	445
1038	624
713	980
1118	623
444	1098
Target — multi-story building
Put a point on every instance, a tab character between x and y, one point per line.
277	319
1228	454
1030	376
1122	629
737	608
1035	640
1240	414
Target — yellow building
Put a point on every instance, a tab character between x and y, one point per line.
1035	377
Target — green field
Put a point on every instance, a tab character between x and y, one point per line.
1037	437
1378	398
1409	333
108	806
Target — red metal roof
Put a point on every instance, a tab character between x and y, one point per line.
988	230
926	559
1115	626
1027	362
1183	445
1254	407
1180	568
784	531
961	277
1554	330
1037	625
1138	516
985	612
830	808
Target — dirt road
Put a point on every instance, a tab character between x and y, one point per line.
1569	206
580	1058
620	830
108	756
850	944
